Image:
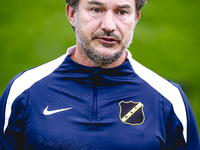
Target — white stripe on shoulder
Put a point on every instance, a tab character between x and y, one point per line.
165	88
26	80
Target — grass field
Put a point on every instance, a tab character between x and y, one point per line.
166	40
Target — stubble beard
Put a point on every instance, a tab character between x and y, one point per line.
97	58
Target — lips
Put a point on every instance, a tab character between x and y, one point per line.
107	40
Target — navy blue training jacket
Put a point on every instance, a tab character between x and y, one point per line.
64	105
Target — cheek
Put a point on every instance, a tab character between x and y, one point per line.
125	32
90	27
126	29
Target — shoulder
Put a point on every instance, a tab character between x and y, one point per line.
31	76
172	92
24	81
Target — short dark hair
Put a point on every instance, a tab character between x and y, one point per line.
73	3
139	4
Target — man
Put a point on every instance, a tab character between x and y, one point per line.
96	96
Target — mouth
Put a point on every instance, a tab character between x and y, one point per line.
107	40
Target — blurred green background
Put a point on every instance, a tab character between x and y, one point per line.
166	40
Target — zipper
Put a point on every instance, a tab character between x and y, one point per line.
95	92
94	109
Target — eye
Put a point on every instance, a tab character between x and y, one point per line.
122	12
96	10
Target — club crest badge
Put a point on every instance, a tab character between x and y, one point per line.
131	113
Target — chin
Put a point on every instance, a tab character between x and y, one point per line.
107	52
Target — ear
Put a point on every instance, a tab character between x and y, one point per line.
138	18
70	14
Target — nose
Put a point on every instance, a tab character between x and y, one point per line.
108	22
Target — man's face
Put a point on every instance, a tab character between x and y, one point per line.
104	28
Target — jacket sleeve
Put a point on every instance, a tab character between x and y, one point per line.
192	140
11	117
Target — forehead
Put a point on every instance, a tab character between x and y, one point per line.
109	3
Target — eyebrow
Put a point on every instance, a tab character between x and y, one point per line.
124	6
95	3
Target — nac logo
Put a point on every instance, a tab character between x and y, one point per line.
131	113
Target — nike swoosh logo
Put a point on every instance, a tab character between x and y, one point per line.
47	112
